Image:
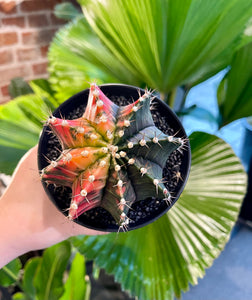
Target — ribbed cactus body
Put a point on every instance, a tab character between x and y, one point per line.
112	156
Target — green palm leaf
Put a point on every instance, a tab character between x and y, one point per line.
160	260
76	287
48	280
77	57
167	43
17	128
10	273
19	132
21	121
235	90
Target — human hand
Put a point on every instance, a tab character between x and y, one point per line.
28	219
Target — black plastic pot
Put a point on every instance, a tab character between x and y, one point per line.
246	158
144	211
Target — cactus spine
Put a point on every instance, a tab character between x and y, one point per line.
112	156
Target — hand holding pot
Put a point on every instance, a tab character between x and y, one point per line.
28	219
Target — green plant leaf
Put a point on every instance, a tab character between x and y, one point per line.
20	296
21	121
160	260
9	274
166	44
11	135
18	132
43	89
30	270
48	279
235	90
19	87
66	11
75	286
77	57
11	112
9	158
247	34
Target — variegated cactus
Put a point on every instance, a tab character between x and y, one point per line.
112	156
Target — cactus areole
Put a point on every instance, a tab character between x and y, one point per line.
113	157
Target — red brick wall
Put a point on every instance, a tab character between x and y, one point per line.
26	29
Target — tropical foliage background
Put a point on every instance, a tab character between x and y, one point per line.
166	46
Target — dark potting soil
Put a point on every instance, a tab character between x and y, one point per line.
142	211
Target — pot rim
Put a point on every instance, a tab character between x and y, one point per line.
186	154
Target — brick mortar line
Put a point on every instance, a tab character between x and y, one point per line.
29	70
20	44
27	67
26	19
20	63
26	13
23	47
28	29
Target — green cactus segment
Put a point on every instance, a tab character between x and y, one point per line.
134	117
150	177
150	143
112	156
119	194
